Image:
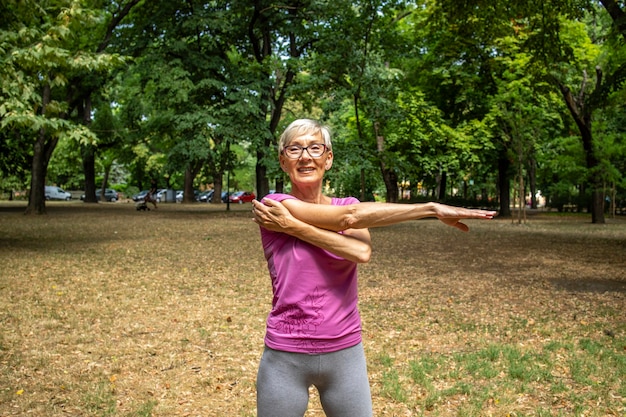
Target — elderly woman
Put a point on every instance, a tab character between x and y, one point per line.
313	244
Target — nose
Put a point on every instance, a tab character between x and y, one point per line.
306	151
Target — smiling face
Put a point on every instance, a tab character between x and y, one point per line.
306	171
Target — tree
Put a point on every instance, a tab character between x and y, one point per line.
523	113
45	77
199	93
356	63
280	39
553	50
582	106
15	160
35	73
456	67
108	129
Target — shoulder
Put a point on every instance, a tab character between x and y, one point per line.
280	197
344	201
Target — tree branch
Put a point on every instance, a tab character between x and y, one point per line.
114	22
617	14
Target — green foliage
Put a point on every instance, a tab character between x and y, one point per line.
561	170
65	164
46	55
416	93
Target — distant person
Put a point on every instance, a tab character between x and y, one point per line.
151	195
313	244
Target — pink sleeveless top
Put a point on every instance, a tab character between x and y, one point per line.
314	308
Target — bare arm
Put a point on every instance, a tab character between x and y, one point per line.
354	245
363	215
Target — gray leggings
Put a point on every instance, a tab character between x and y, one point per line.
340	377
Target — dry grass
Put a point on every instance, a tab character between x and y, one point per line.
106	311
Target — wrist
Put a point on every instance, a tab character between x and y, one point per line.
295	227
432	209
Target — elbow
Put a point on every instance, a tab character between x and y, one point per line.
364	255
350	220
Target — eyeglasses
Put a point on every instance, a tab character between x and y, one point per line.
316	150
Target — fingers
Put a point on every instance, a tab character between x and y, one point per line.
455	223
478	214
262	211
269	202
472	214
461	226
256	204
257	209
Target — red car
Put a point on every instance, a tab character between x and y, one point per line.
242	197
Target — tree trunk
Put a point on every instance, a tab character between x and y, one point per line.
280	185
105	181
188	195
443	185
190	175
581	112
391	183
595	180
88	155
42	152
504	186
89	171
362	184
597	206
262	182
521	214
37	197
217	189
532	180
390	178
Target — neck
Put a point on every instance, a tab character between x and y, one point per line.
310	195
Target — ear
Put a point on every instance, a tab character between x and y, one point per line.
329	160
281	160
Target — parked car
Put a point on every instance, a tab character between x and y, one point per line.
206	196
161	195
141	195
57	193
109	195
242	197
181	194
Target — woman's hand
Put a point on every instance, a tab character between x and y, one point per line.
272	215
452	216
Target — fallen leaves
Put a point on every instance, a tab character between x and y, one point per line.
175	317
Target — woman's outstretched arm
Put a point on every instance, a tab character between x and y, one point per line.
362	215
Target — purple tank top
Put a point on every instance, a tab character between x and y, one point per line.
314	305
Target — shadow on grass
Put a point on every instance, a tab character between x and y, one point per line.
589	285
72	226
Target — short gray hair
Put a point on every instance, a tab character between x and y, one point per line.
302	126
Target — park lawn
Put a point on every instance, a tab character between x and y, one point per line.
106	311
